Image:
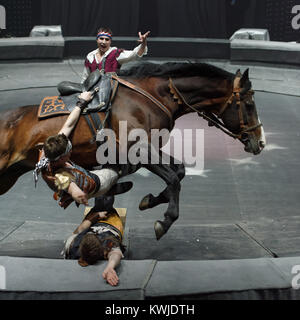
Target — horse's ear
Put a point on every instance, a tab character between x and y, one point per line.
238	74
245	78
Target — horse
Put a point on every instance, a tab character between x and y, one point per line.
165	92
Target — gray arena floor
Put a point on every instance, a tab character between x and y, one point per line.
238	206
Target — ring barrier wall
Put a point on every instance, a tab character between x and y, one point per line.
245	45
262	278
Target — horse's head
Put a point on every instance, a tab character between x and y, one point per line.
240	117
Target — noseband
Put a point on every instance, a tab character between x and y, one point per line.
211	118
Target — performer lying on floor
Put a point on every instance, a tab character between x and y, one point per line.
98	237
68	180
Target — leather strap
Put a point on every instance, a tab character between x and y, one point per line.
96	120
145	94
87	118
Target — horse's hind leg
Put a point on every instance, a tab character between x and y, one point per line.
150	201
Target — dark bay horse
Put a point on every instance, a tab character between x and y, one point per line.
222	98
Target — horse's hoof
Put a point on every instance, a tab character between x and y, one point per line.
159	229
145	203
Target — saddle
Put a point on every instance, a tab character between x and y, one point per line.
104	87
69	91
97	80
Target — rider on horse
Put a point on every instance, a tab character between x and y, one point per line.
109	58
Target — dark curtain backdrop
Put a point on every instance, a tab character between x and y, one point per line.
174	18
83	18
165	18
245	14
184	18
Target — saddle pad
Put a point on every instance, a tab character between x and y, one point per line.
52	106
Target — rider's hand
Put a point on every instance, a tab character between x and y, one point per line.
86	95
143	37
84	98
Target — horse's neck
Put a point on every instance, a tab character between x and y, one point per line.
200	94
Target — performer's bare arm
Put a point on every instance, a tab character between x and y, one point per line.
74	115
77	194
109	273
92	218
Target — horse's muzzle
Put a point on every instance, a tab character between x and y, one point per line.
252	145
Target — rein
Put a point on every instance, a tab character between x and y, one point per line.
145	94
213	120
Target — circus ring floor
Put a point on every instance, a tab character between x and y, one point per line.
237	235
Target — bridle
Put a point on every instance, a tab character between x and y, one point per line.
211	117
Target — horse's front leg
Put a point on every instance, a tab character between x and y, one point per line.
150	201
170	194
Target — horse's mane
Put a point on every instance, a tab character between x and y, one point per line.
175	69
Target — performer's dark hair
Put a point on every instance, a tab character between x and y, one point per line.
105	29
55	146
91	250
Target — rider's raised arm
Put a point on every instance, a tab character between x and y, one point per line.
136	53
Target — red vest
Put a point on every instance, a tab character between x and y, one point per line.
111	63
